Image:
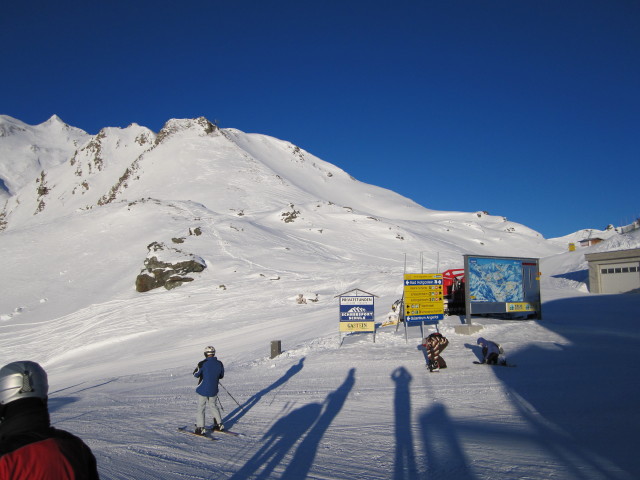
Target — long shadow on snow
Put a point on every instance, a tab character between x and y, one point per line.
306	452
56	403
310	421
89	387
405	462
577	276
242	410
581	398
444	455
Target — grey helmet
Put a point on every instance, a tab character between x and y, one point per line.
20	380
209	351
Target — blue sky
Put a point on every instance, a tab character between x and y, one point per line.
528	109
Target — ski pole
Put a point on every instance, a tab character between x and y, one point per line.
219	403
231	396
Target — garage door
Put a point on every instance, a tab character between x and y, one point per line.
619	277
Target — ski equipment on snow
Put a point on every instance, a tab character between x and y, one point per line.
189	432
226	432
496	364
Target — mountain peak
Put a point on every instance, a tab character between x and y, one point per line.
55	119
182	124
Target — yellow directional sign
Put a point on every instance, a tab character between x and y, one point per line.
423	297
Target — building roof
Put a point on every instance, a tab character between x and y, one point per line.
631	252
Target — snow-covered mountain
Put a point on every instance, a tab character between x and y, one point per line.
225	170
82	219
27	150
258	201
259	205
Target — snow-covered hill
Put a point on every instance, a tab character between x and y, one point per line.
264	207
274	222
26	150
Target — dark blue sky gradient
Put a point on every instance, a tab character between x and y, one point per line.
528	109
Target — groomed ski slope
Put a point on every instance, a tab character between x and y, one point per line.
372	410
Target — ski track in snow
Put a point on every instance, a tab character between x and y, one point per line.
364	410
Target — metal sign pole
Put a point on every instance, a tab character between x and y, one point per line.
339	319
467	295
406	334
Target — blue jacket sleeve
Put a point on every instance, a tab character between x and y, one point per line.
197	372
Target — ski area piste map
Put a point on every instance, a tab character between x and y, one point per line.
496	280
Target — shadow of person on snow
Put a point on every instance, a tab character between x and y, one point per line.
477	351
280	438
241	411
306	452
405	462
425	353
313	420
444	454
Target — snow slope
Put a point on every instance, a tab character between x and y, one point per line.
120	362
26	150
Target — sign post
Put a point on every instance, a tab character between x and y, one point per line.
423	299
357	309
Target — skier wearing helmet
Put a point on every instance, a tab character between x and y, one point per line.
208	372
30	448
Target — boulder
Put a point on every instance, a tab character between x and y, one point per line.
167	267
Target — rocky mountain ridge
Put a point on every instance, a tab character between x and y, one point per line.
256	200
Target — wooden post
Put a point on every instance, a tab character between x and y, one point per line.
276	348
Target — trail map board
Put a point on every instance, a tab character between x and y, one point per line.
502	285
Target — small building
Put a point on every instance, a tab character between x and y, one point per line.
614	272
587	242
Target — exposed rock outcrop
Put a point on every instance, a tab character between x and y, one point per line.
167	267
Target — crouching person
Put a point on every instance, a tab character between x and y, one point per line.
434	344
30	448
491	352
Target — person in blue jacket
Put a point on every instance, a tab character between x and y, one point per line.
208	372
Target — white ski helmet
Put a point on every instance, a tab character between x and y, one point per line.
209	351
20	380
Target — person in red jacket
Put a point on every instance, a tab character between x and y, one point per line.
434	344
30	448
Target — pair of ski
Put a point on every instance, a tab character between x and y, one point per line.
208	435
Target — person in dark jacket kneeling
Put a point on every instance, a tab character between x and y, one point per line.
30	448
208	372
